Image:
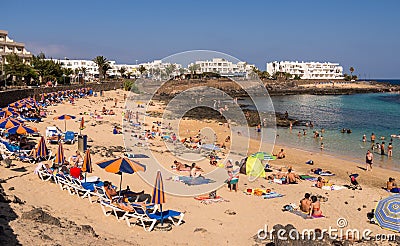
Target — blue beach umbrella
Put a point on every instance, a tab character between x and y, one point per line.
21	130
65	117
387	213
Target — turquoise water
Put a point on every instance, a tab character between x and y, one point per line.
362	113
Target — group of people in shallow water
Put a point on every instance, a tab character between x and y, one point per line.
380	147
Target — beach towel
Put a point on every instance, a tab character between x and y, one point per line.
333	187
301	214
207	200
308	177
271	195
192	180
326	174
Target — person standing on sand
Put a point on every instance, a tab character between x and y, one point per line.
390	150
369	160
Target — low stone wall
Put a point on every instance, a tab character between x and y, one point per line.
10	96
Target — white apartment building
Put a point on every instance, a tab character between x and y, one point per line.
307	70
223	67
9	46
92	70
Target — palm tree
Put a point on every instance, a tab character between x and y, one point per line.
103	65
351	72
122	71
83	69
193	68
142	69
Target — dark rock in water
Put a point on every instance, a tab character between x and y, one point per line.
89	230
38	215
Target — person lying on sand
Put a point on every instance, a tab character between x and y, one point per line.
392	186
305	203
181	167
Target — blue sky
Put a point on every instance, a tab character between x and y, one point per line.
364	34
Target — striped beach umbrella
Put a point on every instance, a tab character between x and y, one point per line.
60	157
41	150
87	163
121	165
8	113
65	117
387	213
21	130
158	192
9	123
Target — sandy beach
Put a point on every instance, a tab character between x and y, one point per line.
235	221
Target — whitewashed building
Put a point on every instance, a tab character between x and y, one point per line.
91	68
307	70
9	46
223	67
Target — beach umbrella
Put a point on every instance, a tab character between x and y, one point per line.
8	123
387	213
264	156
121	165
158	192
87	163
41	150
60	157
21	130
65	117
8	113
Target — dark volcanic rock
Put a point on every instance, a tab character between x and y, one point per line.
38	215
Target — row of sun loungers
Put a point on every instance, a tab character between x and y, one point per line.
146	215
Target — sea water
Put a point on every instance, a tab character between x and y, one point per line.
377	113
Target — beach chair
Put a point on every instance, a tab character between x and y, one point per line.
69	137
89	190
65	183
109	208
144	217
43	173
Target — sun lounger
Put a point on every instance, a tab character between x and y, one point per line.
143	216
43	173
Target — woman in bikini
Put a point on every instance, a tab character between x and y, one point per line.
315	207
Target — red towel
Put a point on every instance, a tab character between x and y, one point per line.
75	172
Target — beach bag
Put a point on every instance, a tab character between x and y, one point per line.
212	194
288	208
